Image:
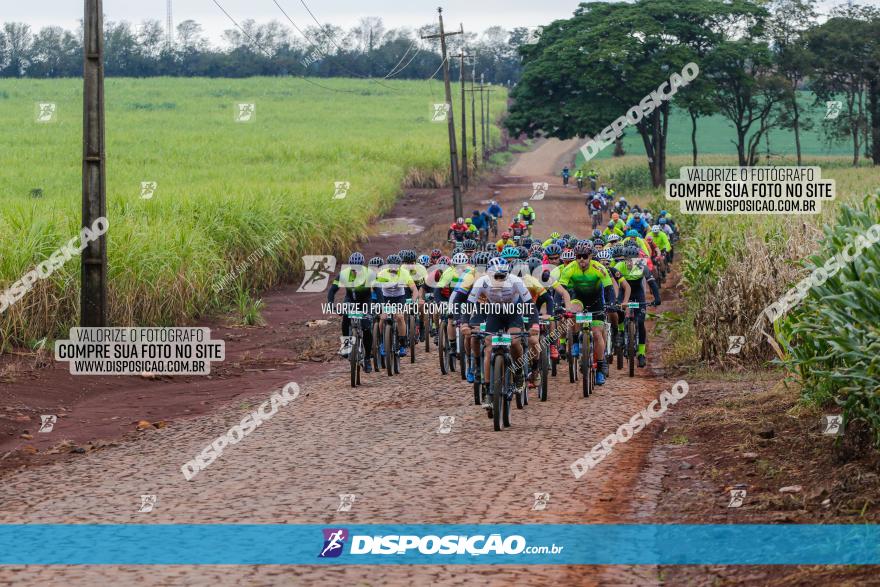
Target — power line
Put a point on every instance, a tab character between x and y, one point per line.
270	56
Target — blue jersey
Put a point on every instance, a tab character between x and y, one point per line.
495	211
479	221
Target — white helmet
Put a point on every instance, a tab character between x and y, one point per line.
459	259
498	265
525	205
655	228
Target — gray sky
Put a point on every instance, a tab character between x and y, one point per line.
477	15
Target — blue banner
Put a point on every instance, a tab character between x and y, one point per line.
431	544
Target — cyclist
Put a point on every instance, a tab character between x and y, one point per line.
392	282
505	241
481	221
579	178
632	270
554	236
638	224
528	216
664	226
590	284
613	228
606	257
498	286
445	290
472	232
542	298
518	227
357	286
662	241
495	210
565	174
457	230
594	178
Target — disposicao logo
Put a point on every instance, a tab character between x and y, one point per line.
334	540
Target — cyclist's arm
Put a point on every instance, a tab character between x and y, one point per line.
331	293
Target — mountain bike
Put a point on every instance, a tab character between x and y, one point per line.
392	358
444	345
460	352
493	225
580	182
595	216
359	323
522	394
478	348
378	359
427	320
412	328
500	380
544	359
587	363
630	332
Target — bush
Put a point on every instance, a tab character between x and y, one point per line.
832	338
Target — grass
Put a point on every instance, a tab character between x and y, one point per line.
223	188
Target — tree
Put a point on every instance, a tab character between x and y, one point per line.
787	29
16	42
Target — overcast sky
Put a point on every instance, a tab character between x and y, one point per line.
476	15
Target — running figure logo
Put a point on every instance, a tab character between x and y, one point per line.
47	423
831	425
318	269
334	540
341	189
541	501
440	112
245	112
147	503
737	496
735	344
446	423
539	190
346	500
46	111
832	109
148	188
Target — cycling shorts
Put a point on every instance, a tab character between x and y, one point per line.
499	322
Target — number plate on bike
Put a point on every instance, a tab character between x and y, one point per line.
633	305
584	318
356	316
501	340
482	327
388	309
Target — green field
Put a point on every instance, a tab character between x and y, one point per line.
715	135
224	188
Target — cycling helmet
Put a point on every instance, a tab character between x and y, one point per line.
631	250
443	261
459	259
662	220
468	221
566	236
377	262
567	256
490	247
583	248
516	219
537	255
527	242
632	232
663	212
457	249
655	228
505	235
525	205
598	242
408	256
394	260
436	254
562	243
356	259
459	220
481	258
475	213
470	245
424	260
596	232
533	264
604	255
536	247
499	266
492	202
510	253
555	235
553	250
613	238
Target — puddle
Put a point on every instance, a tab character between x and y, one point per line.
397	227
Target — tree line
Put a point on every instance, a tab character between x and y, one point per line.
754	58
272	49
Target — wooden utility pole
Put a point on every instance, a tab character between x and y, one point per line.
473	109
93	294
453	154
464	160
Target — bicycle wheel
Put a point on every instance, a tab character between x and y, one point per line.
413	338
443	348
427	321
631	346
354	358
375	350
497	390
478	372
544	372
388	337
569	357
462	358
395	357
505	397
619	352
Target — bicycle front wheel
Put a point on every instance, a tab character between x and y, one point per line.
497	390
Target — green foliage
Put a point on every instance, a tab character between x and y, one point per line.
832	338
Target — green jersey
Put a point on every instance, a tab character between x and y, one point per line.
586	283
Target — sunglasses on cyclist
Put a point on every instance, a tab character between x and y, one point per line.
553	258
499	276
583	256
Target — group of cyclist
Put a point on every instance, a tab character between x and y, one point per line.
604	276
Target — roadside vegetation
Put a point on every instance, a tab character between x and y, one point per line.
223	188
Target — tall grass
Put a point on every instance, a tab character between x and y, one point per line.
224	188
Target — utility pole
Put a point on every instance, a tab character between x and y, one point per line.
464	160
473	109
93	294
453	155
482	119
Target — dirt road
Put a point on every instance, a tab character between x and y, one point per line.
379	442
